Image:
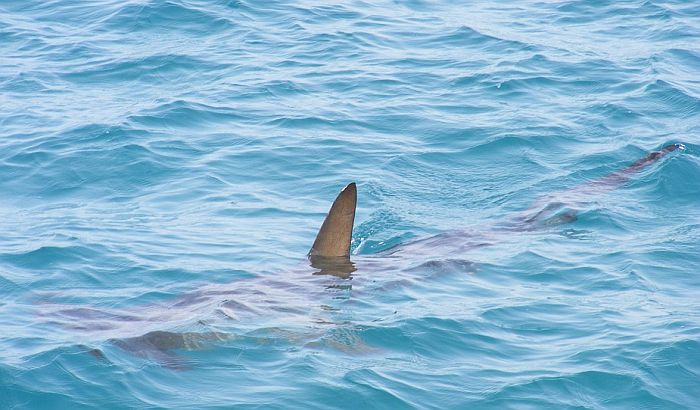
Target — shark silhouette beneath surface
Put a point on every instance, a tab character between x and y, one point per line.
138	330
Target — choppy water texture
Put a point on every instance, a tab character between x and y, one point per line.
165	164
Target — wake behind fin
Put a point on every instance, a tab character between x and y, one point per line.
333	239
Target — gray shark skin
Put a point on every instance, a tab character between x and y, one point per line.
159	346
292	297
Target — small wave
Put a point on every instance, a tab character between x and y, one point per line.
468	36
587	389
156	15
150	69
51	256
672	97
185	114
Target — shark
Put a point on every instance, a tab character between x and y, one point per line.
329	267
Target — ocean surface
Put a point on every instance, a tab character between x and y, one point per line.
165	166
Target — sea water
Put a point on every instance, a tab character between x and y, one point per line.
152	151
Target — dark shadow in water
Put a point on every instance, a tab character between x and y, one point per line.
339	266
160	346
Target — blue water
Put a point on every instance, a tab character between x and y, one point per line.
165	165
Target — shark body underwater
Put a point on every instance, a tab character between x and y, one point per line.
287	298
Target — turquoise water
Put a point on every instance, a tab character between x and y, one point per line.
165	165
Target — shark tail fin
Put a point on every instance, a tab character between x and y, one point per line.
617	178
333	239
653	157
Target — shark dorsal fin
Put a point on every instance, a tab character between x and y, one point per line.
334	237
